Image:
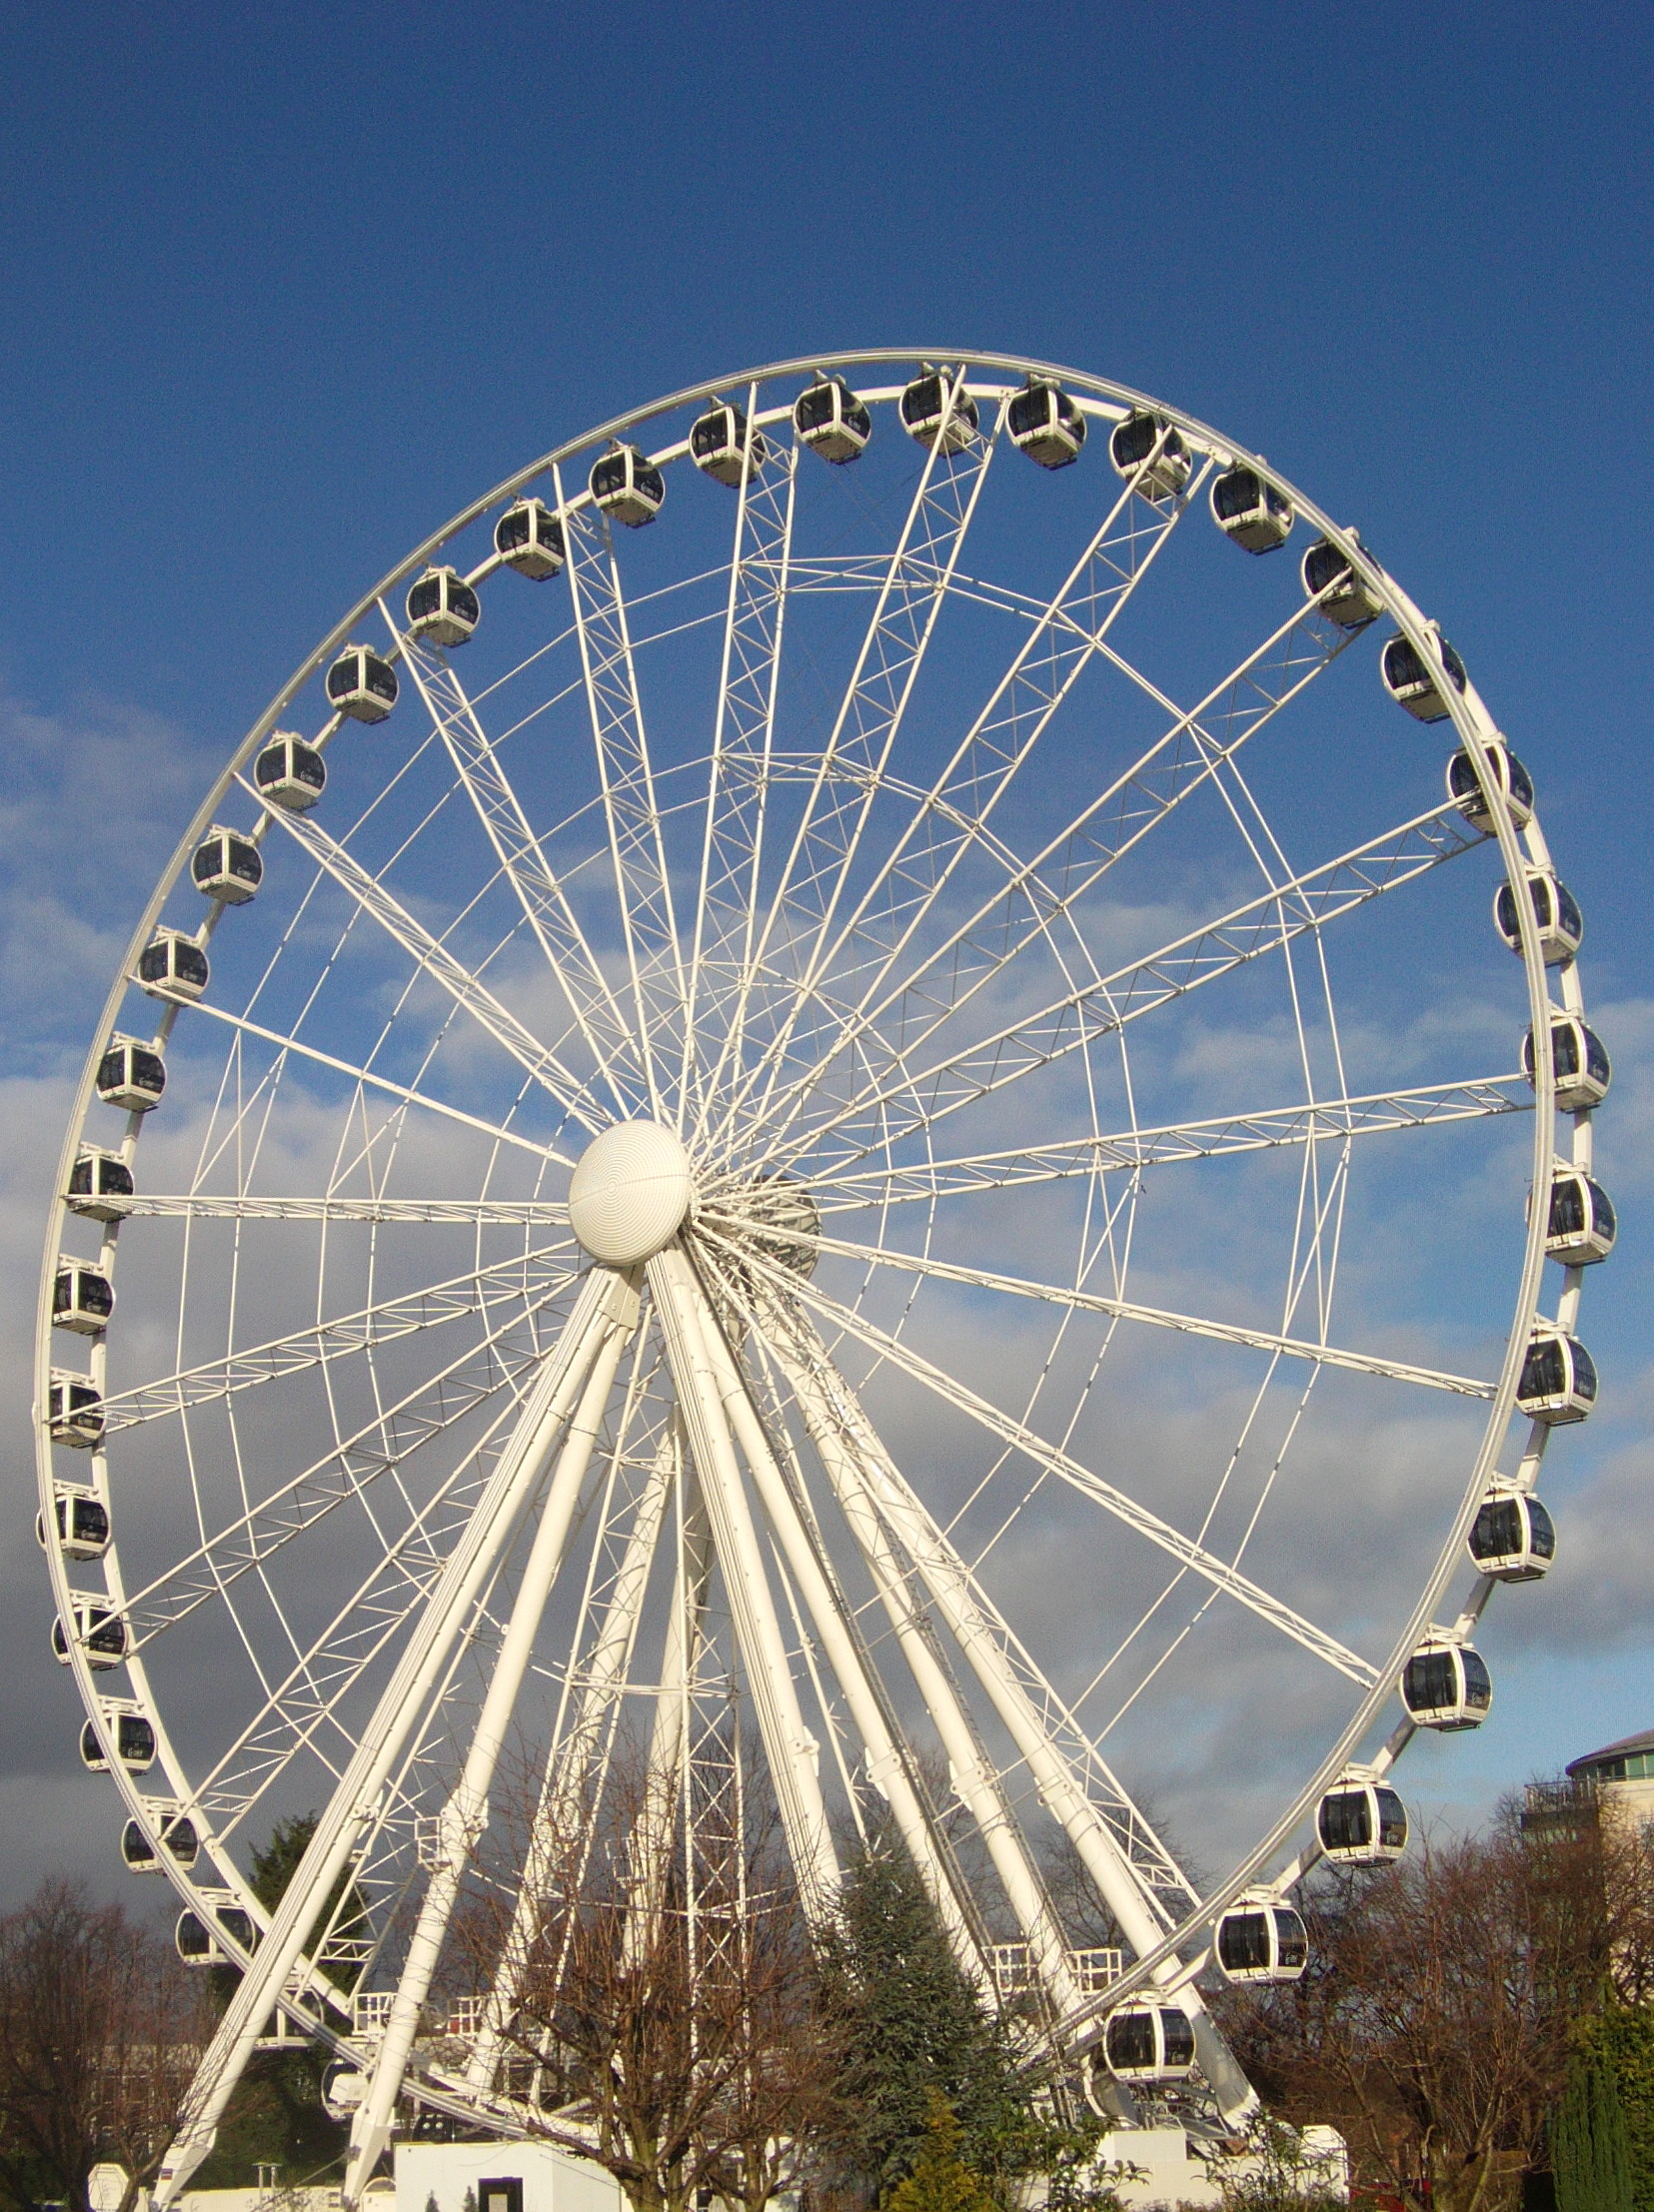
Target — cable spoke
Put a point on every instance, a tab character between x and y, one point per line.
513	1213
1129	1151
439	963
1126	1510
643	883
540	893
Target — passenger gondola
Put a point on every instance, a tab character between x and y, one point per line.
1579	1062
1465	790
718	444
1513	1539
1350	601
81	1524
98	1630
362	685
443	609
1581	1225
83	1297
1559	1377
177	1835
628	486
528	538
1136	439
130	1075
1414	683
1045	425
227	866
1149	2042
100	1185
343	2088
1446	1686
74	1411
289	773
1561	925
1251	511
832	420
201	1943
938	412
172	966
1261	1939
1361	1821
130	1733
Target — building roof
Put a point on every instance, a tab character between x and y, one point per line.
1626	1746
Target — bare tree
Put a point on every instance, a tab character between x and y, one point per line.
667	2024
1443	1997
101	2026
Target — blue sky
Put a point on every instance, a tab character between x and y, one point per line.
284	290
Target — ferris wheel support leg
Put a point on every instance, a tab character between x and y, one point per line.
788	1745
974	1774
464	1816
569	1770
952	1592
887	1766
608	1303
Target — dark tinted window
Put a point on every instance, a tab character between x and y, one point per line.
1585	1373
1573	922
608	476
1478	1682
922	401
813	407
1602	1209
147	1072
1596	1060
382	681
424	598
1497	1534
1243	1940
1291	1941
1392	1821
134	1739
463	601
181	1839
1030	411
136	1848
189	962
1403	669
192	1938
89	1521
342	677
1544	1371
1321	564
1178	2030
245	863
1235	492
1131	2041
1541	1531
1431	1682
514	529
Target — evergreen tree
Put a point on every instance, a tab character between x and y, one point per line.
940	2180
1622	2036
912	2028
1590	2154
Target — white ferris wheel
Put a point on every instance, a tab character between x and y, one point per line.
889	1099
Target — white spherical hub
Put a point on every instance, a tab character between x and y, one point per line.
629	1192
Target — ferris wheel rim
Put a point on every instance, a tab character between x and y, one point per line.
1475	730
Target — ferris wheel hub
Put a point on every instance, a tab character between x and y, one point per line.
631	1192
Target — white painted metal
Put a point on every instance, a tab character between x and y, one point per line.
901	942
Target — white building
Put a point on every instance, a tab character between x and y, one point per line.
500	2177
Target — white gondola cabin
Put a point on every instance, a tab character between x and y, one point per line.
131	1734
343	2088
200	1941
1417	684
172	965
1513	781
100	1185
173	1832
1143	436
1149	2042
1581	1225
1261	1939
832	420
1045	423
362	685
1582	1068
1250	511
97	1628
130	1075
1349	599
1559	1377
1447	1686
83	1297
718	444
940	416
74	1410
1361	1821
443	609
1555	909
228	866
289	773
81	1524
528	538
628	486
1512	1538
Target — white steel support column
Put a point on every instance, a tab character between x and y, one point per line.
793	1753
978	1785
573	1759
650	1846
464	1816
950	1585
886	1767
607	1304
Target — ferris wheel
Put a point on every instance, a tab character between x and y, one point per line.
839	1055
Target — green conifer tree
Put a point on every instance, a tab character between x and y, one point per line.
1590	2153
940	2180
1622	2035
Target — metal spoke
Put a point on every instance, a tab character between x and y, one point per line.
511	1212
